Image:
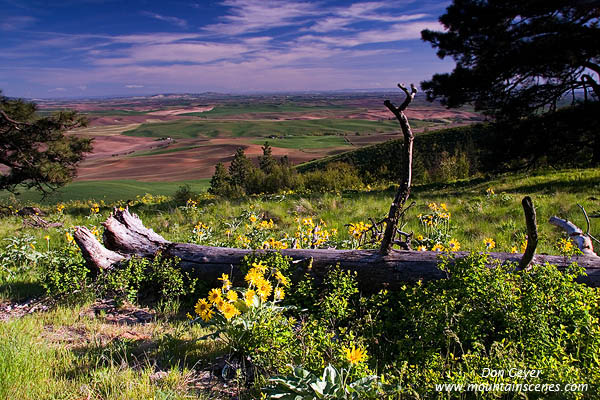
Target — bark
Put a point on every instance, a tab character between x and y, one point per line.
404	189
532	234
126	234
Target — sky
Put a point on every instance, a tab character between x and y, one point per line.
85	48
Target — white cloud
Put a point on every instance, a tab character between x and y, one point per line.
58	89
134	86
171	20
259	15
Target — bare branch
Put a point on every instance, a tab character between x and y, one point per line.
532	234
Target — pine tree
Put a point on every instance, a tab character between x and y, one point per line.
514	58
239	168
219	183
35	151
266	162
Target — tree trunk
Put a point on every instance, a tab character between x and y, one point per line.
126	235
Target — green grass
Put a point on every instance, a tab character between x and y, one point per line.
40	360
245	108
319	127
108	191
305	142
169	149
56	356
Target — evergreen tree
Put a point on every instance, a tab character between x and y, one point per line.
516	57
266	162
35	151
239	168
219	183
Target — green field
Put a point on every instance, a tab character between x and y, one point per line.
317	127
165	150
305	142
245	108
108	191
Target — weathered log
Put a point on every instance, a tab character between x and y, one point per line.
126	234
583	241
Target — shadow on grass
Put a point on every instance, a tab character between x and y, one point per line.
20	290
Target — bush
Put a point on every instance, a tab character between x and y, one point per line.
336	177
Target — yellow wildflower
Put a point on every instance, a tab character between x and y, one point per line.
279	294
47	238
226	282
489	243
201	306
437	247
421	248
220	303
264	289
282	278
214	295
207	315
454	245
354	355
514	249
229	311
232	296
252	218
249	297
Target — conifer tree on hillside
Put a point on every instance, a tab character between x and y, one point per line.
239	168
219	183
266	162
34	150
513	57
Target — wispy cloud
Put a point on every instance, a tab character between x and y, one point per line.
260	15
16	23
134	86
171	20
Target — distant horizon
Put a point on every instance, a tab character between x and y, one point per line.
253	93
101	48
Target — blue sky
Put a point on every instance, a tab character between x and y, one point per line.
75	48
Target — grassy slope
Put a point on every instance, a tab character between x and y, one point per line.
62	354
305	142
185	129
108	191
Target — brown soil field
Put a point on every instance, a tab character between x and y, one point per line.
187	164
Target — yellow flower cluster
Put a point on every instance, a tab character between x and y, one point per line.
490	192
149	198
230	302
310	234
358	229
565	247
273	244
200	229
70	239
95	231
95	208
60	208
191	203
489	243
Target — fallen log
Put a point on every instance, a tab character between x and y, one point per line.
125	236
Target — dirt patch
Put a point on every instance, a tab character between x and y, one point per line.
111	313
113	146
10	310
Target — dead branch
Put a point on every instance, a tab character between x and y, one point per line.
404	189
532	234
581	240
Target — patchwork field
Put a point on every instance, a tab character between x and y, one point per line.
182	137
